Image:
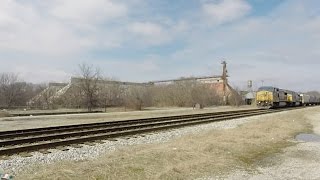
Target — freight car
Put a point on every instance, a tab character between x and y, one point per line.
308	100
273	97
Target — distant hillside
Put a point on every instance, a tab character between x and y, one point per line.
314	93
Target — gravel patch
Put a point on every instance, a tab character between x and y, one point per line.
17	163
297	162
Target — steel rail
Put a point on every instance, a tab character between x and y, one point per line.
67	128
46	137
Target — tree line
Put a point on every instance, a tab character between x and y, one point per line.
15	92
92	90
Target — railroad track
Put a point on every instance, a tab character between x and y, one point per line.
53	113
27	140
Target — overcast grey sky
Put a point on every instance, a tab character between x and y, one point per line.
275	41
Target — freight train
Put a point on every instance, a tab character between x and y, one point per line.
273	97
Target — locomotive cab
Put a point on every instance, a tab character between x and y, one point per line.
272	97
266	97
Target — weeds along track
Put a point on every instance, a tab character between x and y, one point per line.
27	140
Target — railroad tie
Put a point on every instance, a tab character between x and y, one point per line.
89	143
25	154
99	141
76	146
62	148
44	151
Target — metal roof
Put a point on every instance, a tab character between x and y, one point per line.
250	95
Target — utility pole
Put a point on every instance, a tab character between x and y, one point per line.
225	81
250	90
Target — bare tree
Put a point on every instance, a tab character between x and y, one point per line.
30	91
73	98
89	79
314	93
184	94
235	98
46	97
11	90
110	93
37	100
137	97
181	93
204	95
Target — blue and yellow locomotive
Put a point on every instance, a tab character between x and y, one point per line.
268	97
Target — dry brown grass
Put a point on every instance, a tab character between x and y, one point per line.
208	154
4	114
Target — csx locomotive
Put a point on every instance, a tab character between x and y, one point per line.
272	97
